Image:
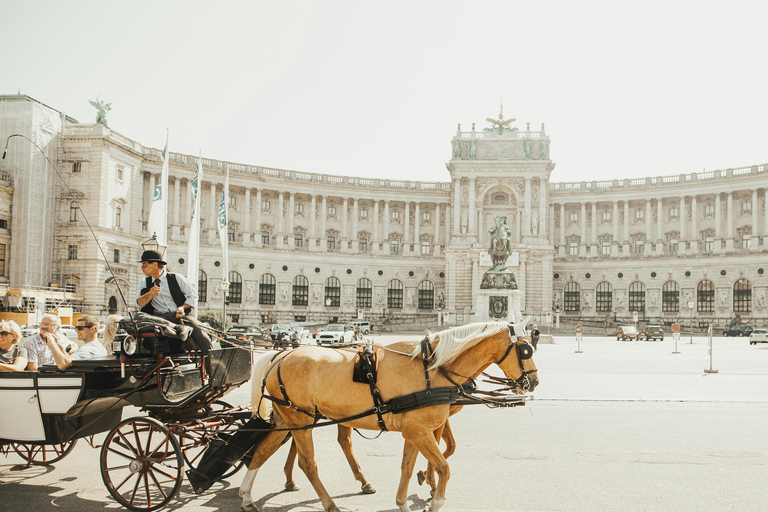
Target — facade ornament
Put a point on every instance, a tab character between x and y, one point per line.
499	276
101	110
457	148
543	148
500	125
534	223
472	149
527	147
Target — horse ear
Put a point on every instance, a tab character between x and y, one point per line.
520	326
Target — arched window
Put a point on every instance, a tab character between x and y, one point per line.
705	297
426	295
604	297
112	305
670	297
637	297
267	289
742	296
73	211
364	293
572	297
202	286
333	292
300	295
235	293
395	294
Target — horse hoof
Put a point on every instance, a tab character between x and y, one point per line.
291	486
368	489
420	476
250	507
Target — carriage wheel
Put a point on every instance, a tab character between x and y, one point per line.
43	454
142	464
193	449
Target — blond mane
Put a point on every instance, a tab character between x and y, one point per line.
453	342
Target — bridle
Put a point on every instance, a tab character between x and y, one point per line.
524	351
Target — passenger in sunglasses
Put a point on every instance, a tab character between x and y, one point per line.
87	332
13	357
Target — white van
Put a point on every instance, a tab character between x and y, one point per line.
363	327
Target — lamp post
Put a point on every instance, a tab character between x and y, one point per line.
153	245
690	306
328	302
224	289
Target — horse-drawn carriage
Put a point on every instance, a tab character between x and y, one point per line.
43	414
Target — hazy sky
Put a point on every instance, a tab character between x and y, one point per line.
376	89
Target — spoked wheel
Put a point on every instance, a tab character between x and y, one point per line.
43	454
142	464
194	448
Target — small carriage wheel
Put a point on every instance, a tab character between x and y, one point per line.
141	464
193	451
44	454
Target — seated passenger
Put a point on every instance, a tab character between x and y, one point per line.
38	352
87	331
111	327
13	357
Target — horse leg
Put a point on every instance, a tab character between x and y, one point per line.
429	475
345	440
307	463
264	451
410	452
427	445
290	485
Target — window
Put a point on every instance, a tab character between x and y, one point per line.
637	297
119	174
606	248
742	296
709	210
395	294
425	247
673	246
573	249
299	208
70	288
234	319
364	293
300	294
395	215
574	217
606	216
364	213
331	211
362	245
745	241
116	256
267	290
709	244
746	207
333	292
73	211
232	201
2	259
426	295
331	243
426	216
112	305
639	214
118	216
231	234
265	205
235	293
639	246
3	223
705	297
670	297
298	240
571	297
202	286
72	252
265	238
77	166
604	297
394	246
674	212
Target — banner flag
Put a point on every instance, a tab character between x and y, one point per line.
193	236
158	212
223	235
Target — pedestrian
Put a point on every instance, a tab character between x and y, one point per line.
535	333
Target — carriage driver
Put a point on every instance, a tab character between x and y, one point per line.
171	297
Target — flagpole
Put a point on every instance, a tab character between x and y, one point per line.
224	237
193	237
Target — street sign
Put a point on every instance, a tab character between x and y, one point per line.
549	318
359	314
579	329
634	316
675	327
445	315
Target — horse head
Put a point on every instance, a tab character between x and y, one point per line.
516	360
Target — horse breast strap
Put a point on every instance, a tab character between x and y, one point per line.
365	368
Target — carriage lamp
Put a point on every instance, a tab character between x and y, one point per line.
154	245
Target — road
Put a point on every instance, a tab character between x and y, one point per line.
622	426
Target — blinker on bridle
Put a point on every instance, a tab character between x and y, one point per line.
524	351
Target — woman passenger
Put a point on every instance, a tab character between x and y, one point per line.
13	357
110	329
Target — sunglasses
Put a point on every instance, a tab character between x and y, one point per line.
4	333
81	327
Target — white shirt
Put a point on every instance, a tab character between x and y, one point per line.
164	303
90	350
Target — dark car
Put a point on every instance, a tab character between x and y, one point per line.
627	332
738	330
653	332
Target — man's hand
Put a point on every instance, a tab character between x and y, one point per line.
180	313
154	291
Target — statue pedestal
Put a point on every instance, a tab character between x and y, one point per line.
495	304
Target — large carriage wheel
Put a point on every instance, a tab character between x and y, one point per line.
43	454
142	464
193	449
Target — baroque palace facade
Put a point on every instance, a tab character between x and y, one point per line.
309	247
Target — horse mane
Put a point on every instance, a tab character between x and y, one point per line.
455	341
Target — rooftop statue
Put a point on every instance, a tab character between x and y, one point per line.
101	110
501	124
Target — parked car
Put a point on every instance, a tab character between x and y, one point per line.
69	331
30	330
279	328
653	332
363	327
758	336
318	331
738	330
627	332
303	332
336	333
247	331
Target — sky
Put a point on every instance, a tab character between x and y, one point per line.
377	89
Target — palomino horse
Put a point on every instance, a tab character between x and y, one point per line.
313	381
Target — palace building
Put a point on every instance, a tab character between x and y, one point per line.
309	247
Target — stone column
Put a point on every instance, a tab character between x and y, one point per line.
323	235
247	231
659	220
648	227
729	216
437	224
543	224
682	216
290	214
176	223
551	231
457	206
213	215
527	209
615	243
280	220
627	240
187	215
583	225
448	223
564	249
694	236
765	219
354	236
257	219
718	207
344	225
472	209
755	232
407	229
312	236
385	234
376	236
416	228
593	241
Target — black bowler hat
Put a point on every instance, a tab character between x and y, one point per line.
151	257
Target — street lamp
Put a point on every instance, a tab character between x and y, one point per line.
224	289
154	245
690	306
328	303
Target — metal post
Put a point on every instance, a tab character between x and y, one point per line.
690	306
709	335
224	289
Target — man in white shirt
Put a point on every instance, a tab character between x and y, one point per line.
87	331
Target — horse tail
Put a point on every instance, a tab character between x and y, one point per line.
261	408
